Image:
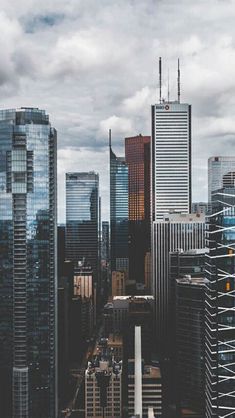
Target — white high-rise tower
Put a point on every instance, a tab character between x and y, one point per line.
171	156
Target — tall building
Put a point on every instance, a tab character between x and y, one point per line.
118	212
28	306
200	207
118	283
189	347
137	154
171	159
220	306
105	242
103	384
175	232
82	218
217	168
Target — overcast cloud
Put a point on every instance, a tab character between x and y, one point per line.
92	64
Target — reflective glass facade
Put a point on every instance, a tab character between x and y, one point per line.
217	168
118	212
220	306
137	151
82	218
27	264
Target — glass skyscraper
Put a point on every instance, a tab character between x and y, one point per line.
27	265
118	212
137	151
82	218
217	168
220	306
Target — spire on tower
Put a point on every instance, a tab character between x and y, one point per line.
168	87
178	80
160	79
110	138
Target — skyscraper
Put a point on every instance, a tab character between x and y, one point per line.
220	306
217	168
175	232
137	152
171	158
118	212
189	347
82	218
28	343
105	242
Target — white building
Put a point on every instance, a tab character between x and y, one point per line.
144	384
171	158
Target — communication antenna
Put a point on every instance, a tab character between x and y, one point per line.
160	79
178	80
168	87
110	137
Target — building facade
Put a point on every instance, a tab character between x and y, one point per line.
220	306
137	154
151	389
105	242
28	308
175	232
190	331
118	213
82	218
118	283
171	159
103	385
200	207
217	168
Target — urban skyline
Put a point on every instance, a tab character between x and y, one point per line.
124	304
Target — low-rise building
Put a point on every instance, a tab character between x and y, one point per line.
151	389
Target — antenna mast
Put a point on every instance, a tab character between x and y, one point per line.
168	87
160	80
178	80
110	137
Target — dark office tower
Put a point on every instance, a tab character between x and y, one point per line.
28	347
189	376
137	152
60	249
82	218
220	306
176	232
118	212
105	242
191	262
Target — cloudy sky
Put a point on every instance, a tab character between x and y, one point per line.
92	64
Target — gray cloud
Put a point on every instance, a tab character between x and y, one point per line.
93	66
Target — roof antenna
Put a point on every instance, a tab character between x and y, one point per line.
178	80
160	80
110	137
168	87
